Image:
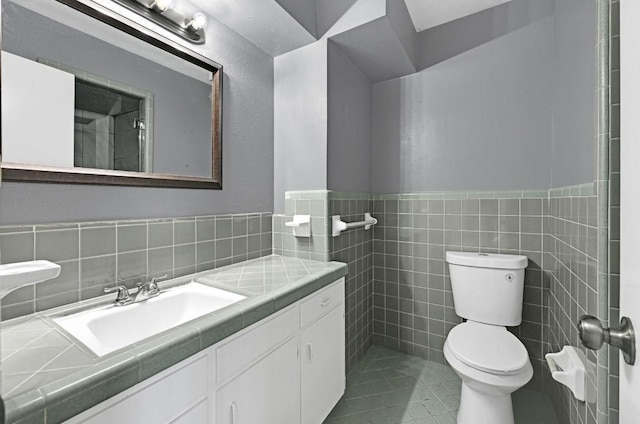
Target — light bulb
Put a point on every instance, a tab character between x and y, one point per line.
198	22
162	5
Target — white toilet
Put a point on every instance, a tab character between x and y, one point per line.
492	362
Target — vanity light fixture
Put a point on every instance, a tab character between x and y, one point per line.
163	13
161	5
198	22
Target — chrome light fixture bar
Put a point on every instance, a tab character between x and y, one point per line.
162	13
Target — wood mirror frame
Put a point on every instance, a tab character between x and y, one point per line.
66	175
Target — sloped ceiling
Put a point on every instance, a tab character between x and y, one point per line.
427	14
279	26
263	22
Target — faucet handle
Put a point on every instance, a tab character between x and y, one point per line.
123	296
153	284
151	287
155	280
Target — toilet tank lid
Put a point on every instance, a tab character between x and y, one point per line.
487	260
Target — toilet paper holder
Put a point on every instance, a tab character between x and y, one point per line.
570	368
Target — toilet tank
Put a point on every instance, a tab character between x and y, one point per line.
487	287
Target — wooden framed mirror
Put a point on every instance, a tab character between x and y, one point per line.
90	96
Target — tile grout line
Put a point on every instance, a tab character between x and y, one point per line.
38	371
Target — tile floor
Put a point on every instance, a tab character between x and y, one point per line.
389	387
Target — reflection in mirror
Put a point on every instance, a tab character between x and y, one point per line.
78	93
110	130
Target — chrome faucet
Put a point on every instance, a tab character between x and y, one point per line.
123	298
148	290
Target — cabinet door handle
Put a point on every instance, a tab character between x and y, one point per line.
310	350
234	413
325	302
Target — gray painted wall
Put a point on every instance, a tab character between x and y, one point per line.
247	156
300	139
478	120
349	133
574	100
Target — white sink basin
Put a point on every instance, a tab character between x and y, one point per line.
108	328
21	273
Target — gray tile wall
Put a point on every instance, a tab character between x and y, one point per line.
614	202
398	290
99	254
569	285
355	248
413	303
571	264
316	247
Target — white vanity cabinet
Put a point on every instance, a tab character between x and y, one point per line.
285	369
322	353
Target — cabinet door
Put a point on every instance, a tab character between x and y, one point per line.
323	373
266	393
199	414
238	352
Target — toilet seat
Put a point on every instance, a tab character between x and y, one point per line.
487	348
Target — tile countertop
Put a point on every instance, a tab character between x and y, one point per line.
48	377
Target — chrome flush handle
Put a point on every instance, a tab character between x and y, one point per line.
593	336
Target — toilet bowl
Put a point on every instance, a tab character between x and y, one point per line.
492	364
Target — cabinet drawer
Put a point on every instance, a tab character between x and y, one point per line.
170	396
321	302
253	343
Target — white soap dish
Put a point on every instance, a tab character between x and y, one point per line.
301	225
